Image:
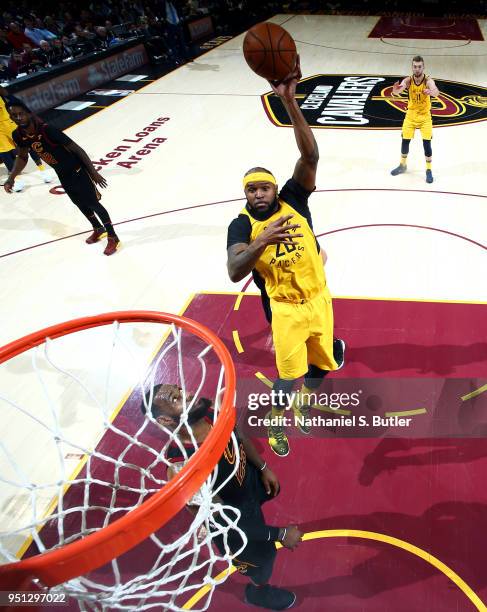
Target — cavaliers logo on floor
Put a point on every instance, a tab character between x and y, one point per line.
360	101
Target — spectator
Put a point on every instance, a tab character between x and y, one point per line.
60	52
7	18
128	16
104	38
16	37
48	34
148	14
156	28
31	59
49	24
102	9
99	24
90	28
45	54
69	47
69	23
175	32
136	31
6	46
191	8
82	33
85	41
36	34
16	64
137	8
6	73
155	40
87	17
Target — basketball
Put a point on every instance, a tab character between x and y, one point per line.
270	51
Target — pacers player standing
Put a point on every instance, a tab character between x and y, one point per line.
273	235
418	115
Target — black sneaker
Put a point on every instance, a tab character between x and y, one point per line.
339	352
429	176
302	414
269	597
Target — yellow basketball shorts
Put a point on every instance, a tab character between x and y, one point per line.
303	335
414	122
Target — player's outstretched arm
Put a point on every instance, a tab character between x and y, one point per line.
399	87
241	257
269	479
87	163
19	165
307	164
431	89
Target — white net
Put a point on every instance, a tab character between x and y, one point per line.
71	465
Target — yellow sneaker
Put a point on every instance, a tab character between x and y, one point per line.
277	438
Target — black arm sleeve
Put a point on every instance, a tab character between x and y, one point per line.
297	197
239	231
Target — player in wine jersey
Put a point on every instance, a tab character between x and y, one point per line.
7	145
252	484
273	238
75	171
418	115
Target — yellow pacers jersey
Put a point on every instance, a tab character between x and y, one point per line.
7	126
418	102
291	272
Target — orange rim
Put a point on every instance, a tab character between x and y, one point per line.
93	551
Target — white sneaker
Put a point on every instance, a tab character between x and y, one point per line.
46	176
18	185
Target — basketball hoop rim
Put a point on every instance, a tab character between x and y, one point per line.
93	551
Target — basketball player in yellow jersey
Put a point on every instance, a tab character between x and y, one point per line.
273	238
7	145
418	115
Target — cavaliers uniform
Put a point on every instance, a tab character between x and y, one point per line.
246	492
50	144
7	127
295	282
418	114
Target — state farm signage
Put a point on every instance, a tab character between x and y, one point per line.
67	86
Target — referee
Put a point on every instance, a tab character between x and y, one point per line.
75	171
